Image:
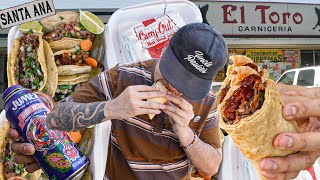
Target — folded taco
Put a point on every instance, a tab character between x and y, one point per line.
67	85
8	168
52	81
250	110
72	61
26	64
64	30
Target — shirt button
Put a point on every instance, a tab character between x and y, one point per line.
196	119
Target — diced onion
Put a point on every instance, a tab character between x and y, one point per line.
74	56
77	28
39	72
22	49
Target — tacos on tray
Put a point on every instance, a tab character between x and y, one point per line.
250	110
64	30
8	168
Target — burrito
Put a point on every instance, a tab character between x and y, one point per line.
26	64
72	61
8	168
64	30
250	111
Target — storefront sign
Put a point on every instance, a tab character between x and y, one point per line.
255	18
26	12
276	61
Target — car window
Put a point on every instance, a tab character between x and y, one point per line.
288	78
216	88
306	77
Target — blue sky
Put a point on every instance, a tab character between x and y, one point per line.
115	4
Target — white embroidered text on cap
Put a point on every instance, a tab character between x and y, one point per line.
205	63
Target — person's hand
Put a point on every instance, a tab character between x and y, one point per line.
181	112
132	102
303	106
24	152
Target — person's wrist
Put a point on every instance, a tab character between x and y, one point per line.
108	111
186	136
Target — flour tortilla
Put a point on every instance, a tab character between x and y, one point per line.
161	100
52	81
73	70
64	43
49	23
73	79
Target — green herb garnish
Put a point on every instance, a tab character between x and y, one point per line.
82	27
30	31
261	97
29	61
69	35
77	51
27	176
61	18
45	89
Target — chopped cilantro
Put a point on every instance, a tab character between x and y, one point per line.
27	176
261	96
69	35
82	27
29	61
77	51
30	31
61	18
45	89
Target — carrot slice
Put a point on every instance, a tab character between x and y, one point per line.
75	136
86	45
92	62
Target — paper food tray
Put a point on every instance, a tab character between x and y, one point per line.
127	17
98	155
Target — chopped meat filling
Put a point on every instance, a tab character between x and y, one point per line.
28	72
224	92
72	58
247	99
72	30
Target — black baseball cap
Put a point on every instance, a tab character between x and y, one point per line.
196	52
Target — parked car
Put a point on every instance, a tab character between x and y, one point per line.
308	76
216	86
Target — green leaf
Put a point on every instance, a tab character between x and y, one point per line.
27	176
61	18
30	31
82	27
36	81
77	51
45	89
261	97
29	61
69	35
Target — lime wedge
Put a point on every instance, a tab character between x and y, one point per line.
91	22
31	27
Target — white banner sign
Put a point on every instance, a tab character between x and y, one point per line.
26	12
255	18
